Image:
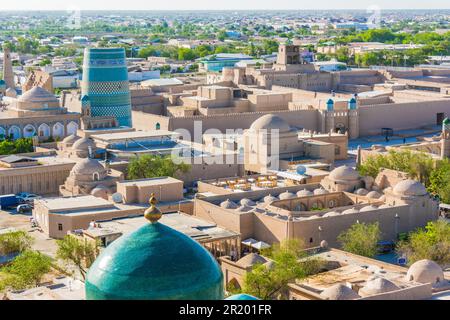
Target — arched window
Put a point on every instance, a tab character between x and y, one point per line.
158	126
95	176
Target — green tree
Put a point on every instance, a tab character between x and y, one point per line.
431	242
80	252
26	270
361	238
290	262
440	180
151	166
14	241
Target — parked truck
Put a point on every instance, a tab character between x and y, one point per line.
8	201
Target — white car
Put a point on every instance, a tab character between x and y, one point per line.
29	197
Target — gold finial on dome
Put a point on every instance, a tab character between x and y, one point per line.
152	214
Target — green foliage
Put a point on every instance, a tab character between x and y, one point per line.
151	166
431	242
418	165
14	241
80	252
361	239
440	180
25	271
271	283
21	145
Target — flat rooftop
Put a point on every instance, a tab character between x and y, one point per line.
59	204
150	182
120	136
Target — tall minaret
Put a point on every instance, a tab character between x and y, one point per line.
445	140
353	119
8	74
329	116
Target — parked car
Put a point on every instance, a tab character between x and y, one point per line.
28	197
23	208
8	201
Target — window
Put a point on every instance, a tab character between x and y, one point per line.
158	126
60	227
311	240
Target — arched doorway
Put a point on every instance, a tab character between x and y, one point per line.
44	130
2	133
29	131
158	126
340	128
14	132
72	128
58	130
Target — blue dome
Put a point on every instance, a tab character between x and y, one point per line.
241	296
155	263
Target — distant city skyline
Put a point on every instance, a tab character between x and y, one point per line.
228	5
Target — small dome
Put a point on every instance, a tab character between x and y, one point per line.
344	173
324	244
410	188
270	122
243	209
350	211
259	210
361	192
377	285
304	193
268	199
313	217
339	292
100	191
228	204
331	214
88	167
373	195
83	144
368	208
384	206
250	260
241	296
38	95
425	271
287	195
382	198
71	139
320	191
247	202
155	262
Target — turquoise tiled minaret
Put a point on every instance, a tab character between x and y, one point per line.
105	83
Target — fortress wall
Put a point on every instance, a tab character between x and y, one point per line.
400	116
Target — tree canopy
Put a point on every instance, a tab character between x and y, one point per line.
14	242
152	166
361	238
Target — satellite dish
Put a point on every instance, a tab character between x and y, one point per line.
301	170
117	197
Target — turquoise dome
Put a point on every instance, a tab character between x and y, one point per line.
155	263
241	296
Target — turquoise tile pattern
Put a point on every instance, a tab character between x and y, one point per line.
105	83
155	262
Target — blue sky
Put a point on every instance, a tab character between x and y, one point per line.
222	5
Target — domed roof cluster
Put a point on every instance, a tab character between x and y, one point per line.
368	208
244	209
228	204
373	195
269	198
377	285
270	122
100	191
71	139
247	202
319	191
361	192
304	193
410	188
426	271
339	292
331	214
38	95
344	173
286	195
88	166
350	211
83	144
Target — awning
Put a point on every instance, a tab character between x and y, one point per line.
249	242
260	245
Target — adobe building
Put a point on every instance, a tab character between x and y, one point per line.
316	212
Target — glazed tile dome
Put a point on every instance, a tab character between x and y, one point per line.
154	263
425	271
286	195
410	188
339	292
344	173
304	193
228	204
377	285
270	122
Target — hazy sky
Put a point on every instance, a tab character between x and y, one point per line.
218	5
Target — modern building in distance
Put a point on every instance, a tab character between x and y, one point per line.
105	83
